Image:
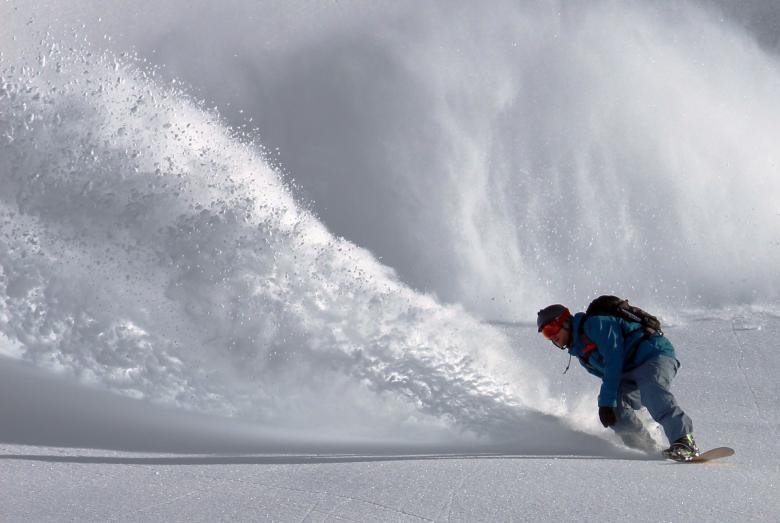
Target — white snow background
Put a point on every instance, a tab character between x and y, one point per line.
281	261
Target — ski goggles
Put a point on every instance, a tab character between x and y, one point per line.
554	327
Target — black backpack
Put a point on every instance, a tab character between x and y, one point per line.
614	306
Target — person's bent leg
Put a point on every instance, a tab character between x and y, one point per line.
654	379
630	429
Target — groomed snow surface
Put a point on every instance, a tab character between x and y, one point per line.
727	384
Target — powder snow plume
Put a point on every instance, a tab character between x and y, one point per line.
150	250
451	163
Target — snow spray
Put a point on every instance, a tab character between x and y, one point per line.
478	168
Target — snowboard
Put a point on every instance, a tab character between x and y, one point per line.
716	453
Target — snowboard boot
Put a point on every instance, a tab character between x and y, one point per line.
684	449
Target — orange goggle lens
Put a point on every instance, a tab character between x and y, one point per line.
551	329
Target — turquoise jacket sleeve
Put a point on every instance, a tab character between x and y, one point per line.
606	333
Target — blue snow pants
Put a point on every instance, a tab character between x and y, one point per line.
648	386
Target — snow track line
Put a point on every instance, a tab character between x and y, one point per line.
451	500
312	509
247	480
453	492
344	500
184	495
747	380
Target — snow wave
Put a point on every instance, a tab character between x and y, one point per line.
501	158
529	153
149	249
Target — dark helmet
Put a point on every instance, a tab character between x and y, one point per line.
550	313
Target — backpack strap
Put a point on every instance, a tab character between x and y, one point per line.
589	345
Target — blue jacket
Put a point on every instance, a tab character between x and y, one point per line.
619	348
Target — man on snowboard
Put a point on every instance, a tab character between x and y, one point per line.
636	370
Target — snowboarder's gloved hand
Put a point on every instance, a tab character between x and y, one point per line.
607	416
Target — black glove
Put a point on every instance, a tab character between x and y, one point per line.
607	416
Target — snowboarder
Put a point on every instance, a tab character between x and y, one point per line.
636	370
